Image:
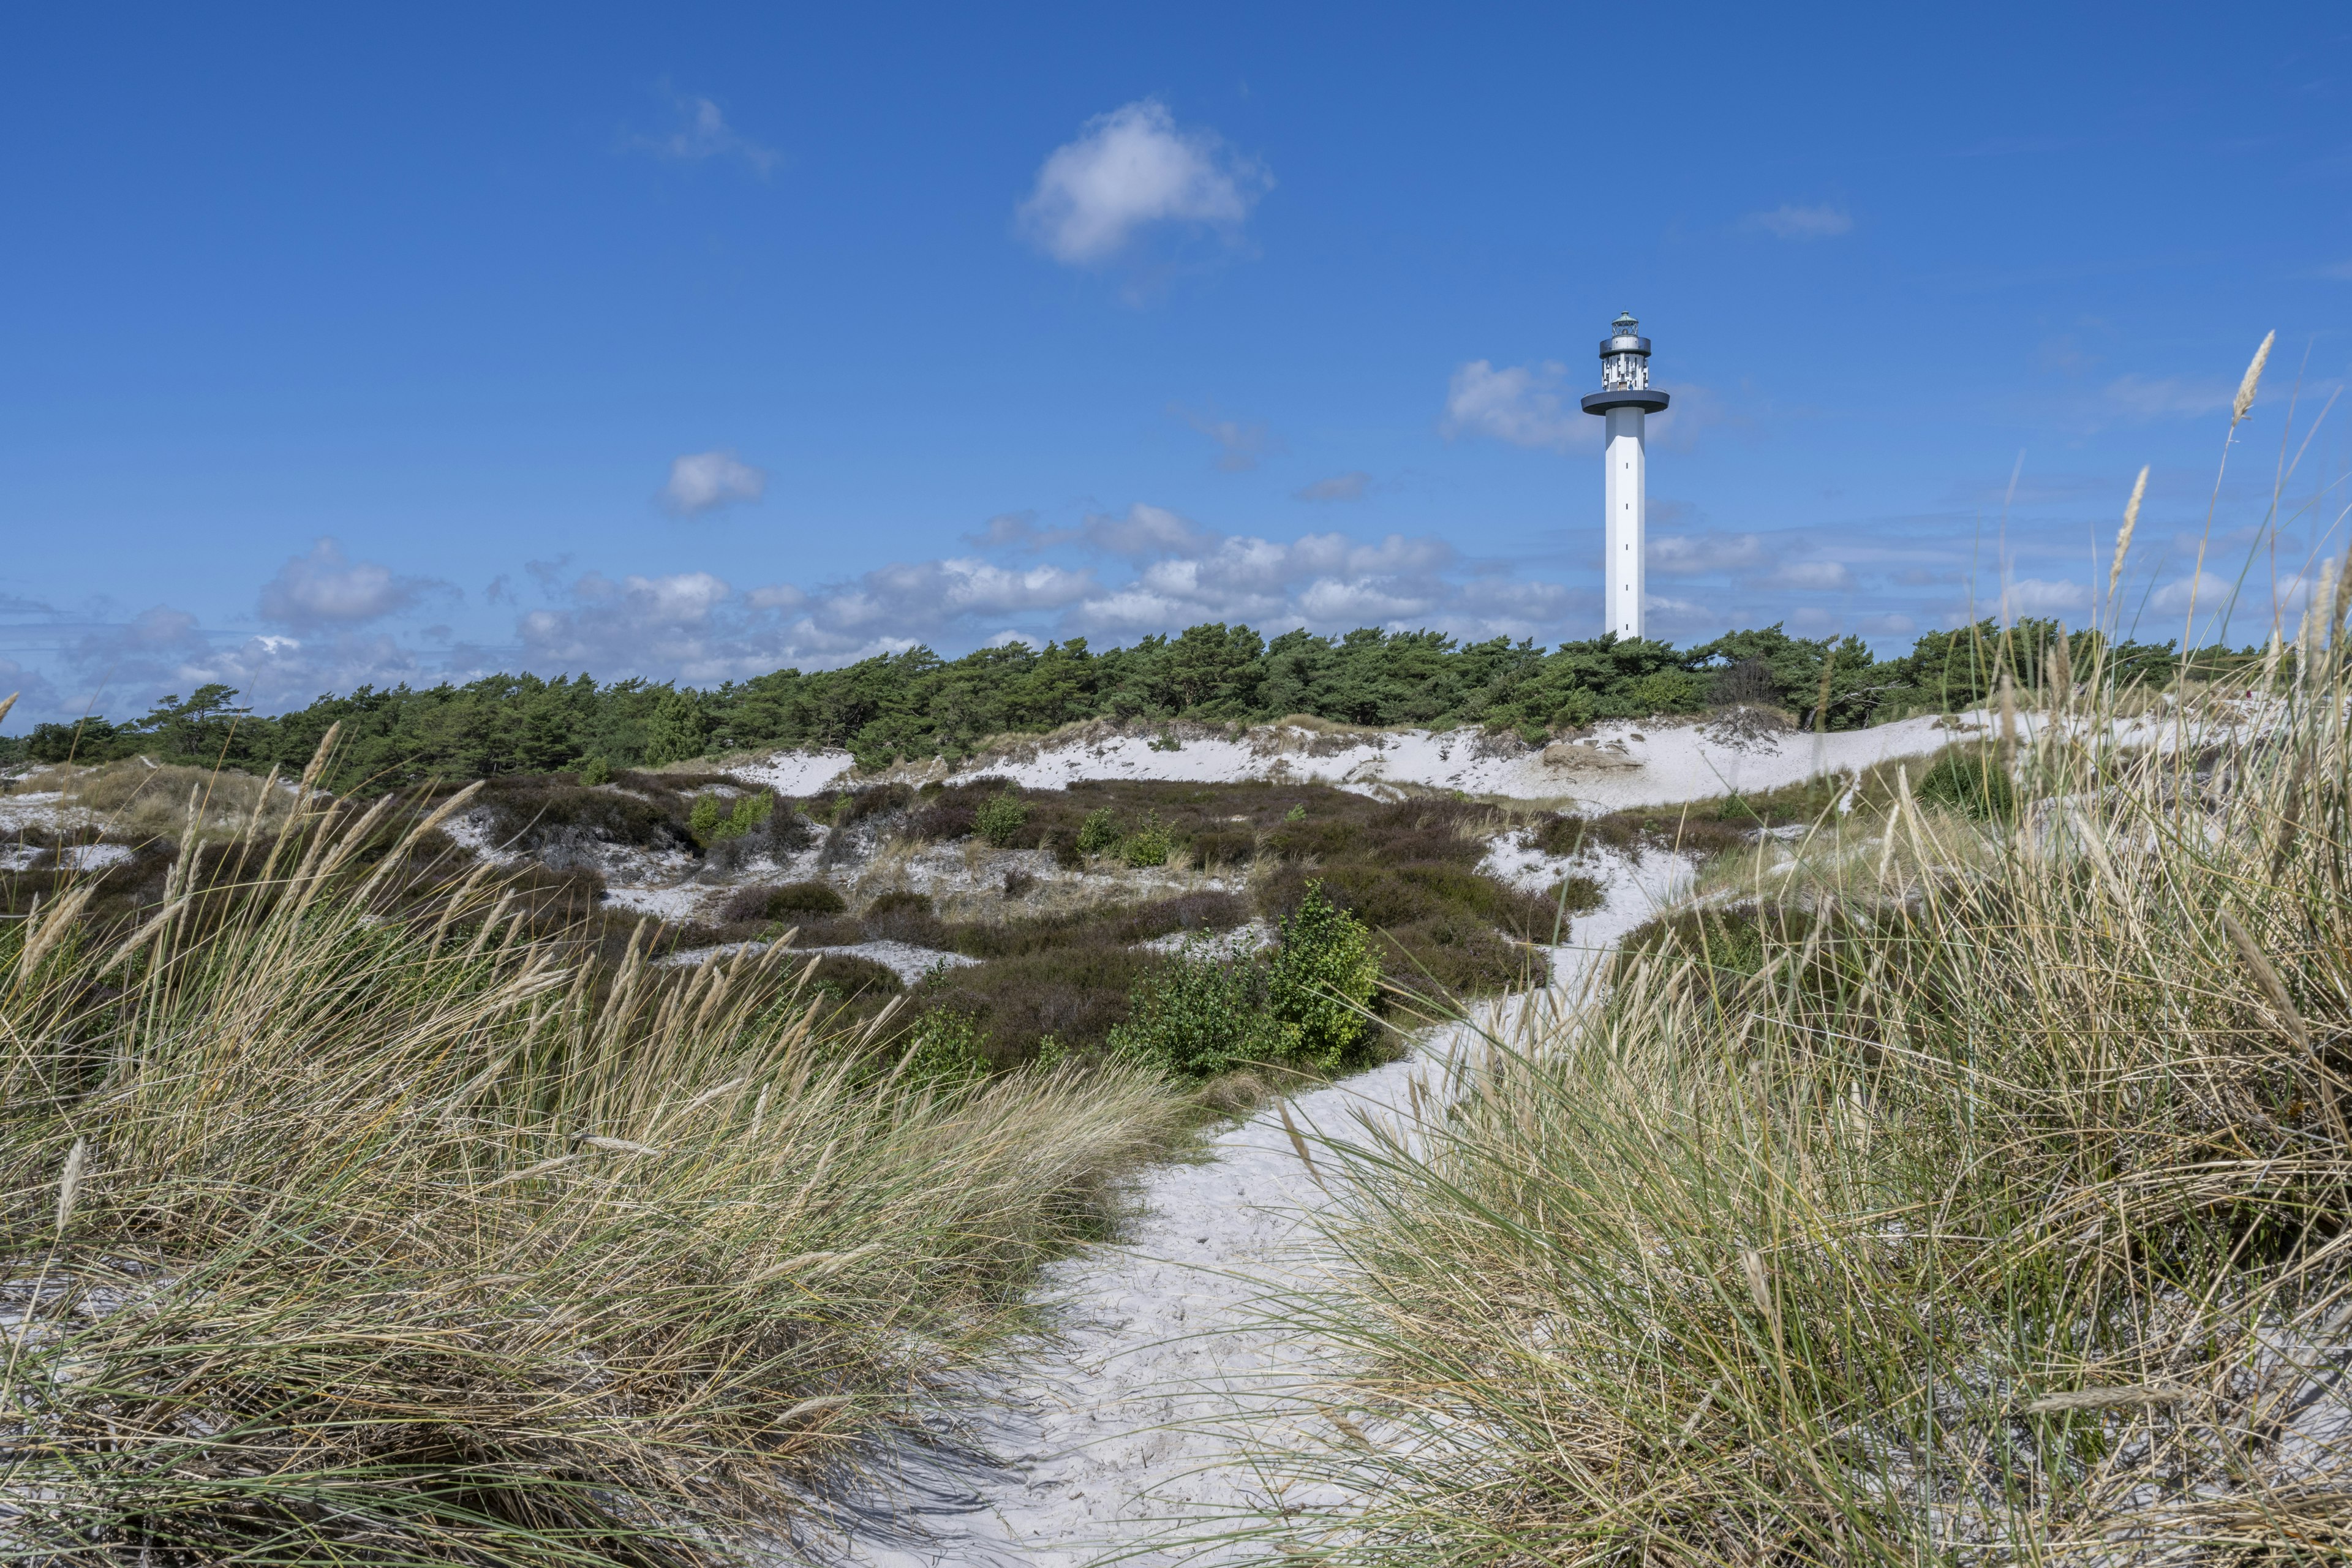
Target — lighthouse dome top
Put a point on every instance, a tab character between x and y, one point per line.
1624	337
1624	371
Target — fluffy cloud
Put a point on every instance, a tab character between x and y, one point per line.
124	666
1790	221
1349	486
1143	529
1130	170
1695	554
325	588
1809	577
1526	405
2208	590
2040	596
702	132
700	481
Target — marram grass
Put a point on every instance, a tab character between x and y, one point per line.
346	1222
1928	1206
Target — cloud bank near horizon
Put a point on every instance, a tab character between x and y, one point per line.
331	622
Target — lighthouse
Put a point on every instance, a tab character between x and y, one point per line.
1625	400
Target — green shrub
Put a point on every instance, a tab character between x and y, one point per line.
750	810
1577	711
943	1047
1323	981
712	823
597	771
1000	817
1147	845
1296	813
1197	1019
1099	832
1972	782
1669	692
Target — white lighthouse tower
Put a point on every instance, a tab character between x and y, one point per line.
1625	399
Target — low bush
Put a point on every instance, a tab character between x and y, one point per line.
1147	846
1073	995
1310	1004
1322	982
791	901
1100	833
1199	1017
1221	846
1000	818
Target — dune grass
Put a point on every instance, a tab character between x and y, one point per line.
347	1220
1977	1193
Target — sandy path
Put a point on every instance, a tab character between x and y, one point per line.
1117	1433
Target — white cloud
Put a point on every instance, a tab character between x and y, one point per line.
702	131
1893	624
1130	170
1524	405
1809	577
702	481
2339	271
1690	555
2211	591
1349	486
2039	596
1241	444
326	588
1144	529
2167	397
163	650
1790	221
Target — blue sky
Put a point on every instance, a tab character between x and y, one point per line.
693	341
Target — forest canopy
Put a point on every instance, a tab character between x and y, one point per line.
917	704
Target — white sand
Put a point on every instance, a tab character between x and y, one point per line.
1622	763
1124	1427
904	959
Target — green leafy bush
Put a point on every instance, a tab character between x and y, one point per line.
1147	845
1198	1017
712	823
943	1047
1323	981
1001	817
597	771
1669	692
1100	831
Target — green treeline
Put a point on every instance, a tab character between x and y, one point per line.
918	704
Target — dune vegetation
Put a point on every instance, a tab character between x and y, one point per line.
1964	1180
349	1217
